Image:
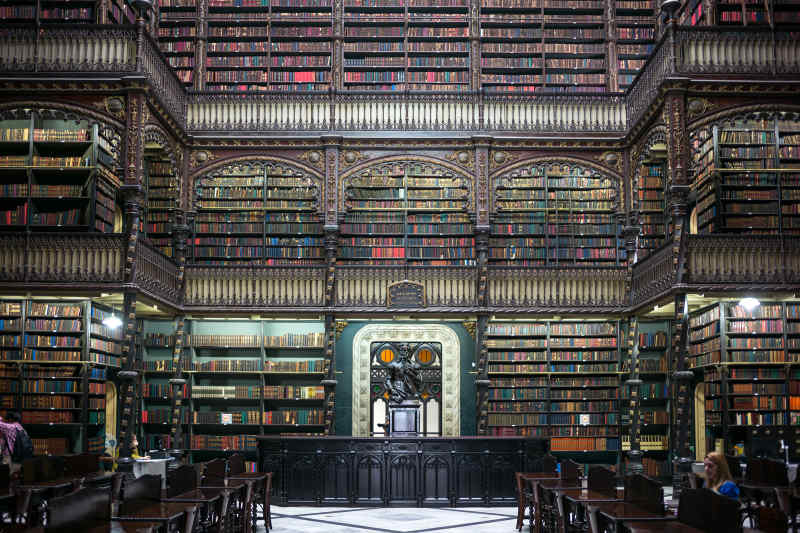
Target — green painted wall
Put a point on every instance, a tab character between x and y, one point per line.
344	369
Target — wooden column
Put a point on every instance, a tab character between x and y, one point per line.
331	214
128	378
482	377
176	384
481	215
633	383
330	381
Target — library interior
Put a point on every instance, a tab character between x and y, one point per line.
420	253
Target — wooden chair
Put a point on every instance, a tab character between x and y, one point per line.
769	520
602	479
570	470
83	509
644	492
522	499
215	473
783	497
147	487
235	464
549	463
701	509
180	480
267	496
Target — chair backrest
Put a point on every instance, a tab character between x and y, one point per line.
236	464
76	511
215	473
549	463
32	470
602	479
771	520
180	480
52	468
734	466
147	487
776	472
570	470
693	508
756	470
725	515
644	492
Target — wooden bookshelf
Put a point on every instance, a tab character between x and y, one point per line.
407	213
748	378
245	378
554	214
653	353
177	38
163	191
745	12
634	37
650	202
261	214
556	379
57	175
45	374
748	176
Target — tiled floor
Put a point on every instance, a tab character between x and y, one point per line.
397	519
393	520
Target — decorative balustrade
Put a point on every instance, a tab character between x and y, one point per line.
156	273
729	260
68	49
528	289
255	286
554	113
163	79
367	286
654	275
745	51
62	258
259	112
681	51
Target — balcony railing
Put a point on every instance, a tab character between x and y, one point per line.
254	286
715	260
590	289
62	258
682	51
88	260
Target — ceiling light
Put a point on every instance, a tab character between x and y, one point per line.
749	303
112	321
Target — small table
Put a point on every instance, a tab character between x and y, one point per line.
260	479
566	499
651	526
617	512
166	514
203	497
43	490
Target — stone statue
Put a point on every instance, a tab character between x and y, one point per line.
404	380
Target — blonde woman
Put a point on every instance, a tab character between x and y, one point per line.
718	475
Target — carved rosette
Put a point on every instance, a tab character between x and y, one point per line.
314	158
199	158
501	158
348	158
462	157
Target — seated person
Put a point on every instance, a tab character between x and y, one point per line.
718	476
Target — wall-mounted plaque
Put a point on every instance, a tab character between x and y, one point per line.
405	294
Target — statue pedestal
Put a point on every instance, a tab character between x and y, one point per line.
404	419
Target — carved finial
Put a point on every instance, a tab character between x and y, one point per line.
472	327
339	328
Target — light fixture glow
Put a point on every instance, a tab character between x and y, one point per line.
112	321
749	303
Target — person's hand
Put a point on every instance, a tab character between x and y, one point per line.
146	457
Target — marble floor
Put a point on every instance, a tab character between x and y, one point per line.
392	520
397	519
